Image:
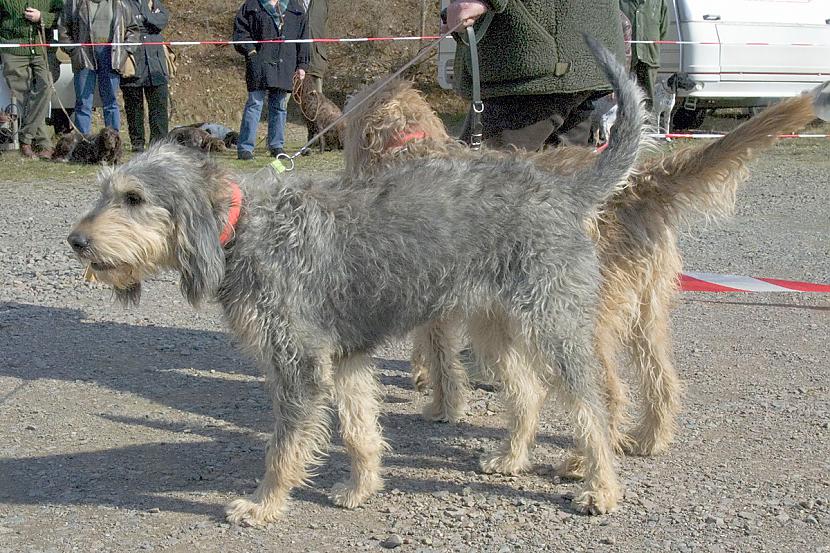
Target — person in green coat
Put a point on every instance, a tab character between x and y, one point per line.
649	21
26	70
538	76
317	13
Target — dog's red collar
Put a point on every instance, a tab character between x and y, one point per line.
400	141
233	214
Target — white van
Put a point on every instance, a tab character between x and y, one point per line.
755	51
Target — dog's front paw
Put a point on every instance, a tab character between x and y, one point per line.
621	442
572	468
246	512
504	463
597	502
349	495
443	412
647	441
420	377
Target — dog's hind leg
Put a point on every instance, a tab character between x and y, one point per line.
650	346
495	348
616	392
358	398
418	359
564	342
301	394
437	345
579	384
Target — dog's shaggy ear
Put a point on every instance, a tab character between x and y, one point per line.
198	251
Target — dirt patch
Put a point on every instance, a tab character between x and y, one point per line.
210	84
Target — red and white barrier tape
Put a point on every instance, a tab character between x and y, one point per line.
371	39
222	42
711	43
721	135
711	282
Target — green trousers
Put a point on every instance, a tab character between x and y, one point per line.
646	78
28	80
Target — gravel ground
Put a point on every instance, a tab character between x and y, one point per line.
128	430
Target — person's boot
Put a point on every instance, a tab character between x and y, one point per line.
27	151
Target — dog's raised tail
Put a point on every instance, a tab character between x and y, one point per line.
613	167
702	181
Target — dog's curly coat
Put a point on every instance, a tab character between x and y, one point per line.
636	237
102	147
318	113
193	137
318	274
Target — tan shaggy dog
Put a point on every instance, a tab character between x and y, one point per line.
636	235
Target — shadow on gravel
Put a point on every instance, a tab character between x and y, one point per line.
172	366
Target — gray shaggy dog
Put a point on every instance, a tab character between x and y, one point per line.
313	276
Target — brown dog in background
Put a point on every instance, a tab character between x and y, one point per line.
103	147
193	137
318	112
636	236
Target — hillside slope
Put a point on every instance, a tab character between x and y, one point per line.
210	81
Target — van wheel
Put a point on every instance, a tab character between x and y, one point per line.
688	119
60	122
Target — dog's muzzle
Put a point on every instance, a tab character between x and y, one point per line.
79	242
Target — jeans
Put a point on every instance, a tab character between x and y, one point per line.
277	105
108	81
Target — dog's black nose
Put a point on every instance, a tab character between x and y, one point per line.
78	241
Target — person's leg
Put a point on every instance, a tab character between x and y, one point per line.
157	102
575	129
646	82
530	138
108	81
277	111
39	101
18	76
134	108
312	127
546	131
84	83
317	83
250	121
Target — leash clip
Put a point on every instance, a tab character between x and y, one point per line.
278	167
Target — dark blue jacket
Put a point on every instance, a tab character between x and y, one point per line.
150	61
274	64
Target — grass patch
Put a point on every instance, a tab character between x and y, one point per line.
15	168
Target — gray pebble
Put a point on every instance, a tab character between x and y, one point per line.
392	542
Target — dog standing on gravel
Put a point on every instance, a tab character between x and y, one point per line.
636	236
313	276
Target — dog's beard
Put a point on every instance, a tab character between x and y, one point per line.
123	268
120	277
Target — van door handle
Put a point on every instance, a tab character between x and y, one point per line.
827	21
711	17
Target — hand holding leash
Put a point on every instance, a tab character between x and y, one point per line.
32	15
